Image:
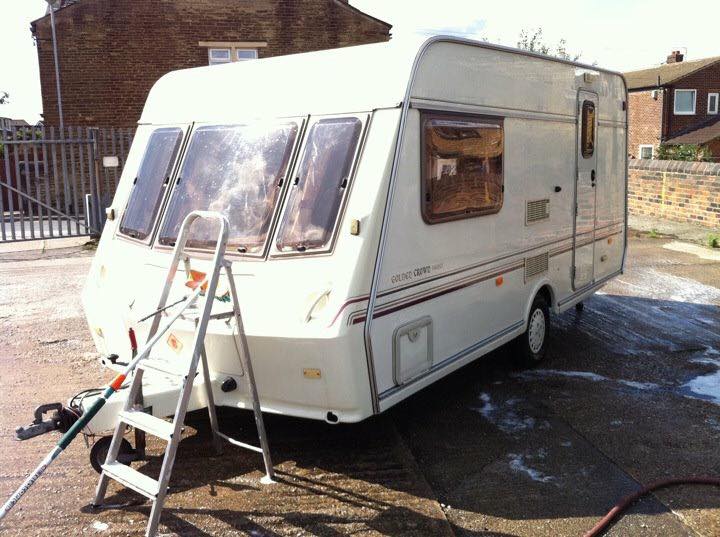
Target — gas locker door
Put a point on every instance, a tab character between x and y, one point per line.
585	191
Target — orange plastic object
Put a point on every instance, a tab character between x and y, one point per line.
499	281
196	278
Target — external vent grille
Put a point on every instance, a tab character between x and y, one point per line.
536	265
537	210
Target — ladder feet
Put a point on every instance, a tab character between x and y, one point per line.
267	480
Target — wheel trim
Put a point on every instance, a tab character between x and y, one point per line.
536	331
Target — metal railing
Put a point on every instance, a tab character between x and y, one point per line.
53	182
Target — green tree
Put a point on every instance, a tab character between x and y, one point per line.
532	40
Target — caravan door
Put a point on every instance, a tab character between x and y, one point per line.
585	191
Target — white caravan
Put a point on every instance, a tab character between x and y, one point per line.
395	213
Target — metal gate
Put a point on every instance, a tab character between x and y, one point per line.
57	183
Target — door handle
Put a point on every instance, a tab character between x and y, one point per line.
592	178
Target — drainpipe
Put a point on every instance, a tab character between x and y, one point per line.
52	3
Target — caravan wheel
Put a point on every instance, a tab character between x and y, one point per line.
532	345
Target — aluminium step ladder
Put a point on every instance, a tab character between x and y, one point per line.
171	431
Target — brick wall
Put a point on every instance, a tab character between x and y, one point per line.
645	120
679	191
112	52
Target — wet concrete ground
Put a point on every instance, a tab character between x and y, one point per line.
630	393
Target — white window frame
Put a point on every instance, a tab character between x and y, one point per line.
216	61
645	146
237	52
694	101
233	48
717	103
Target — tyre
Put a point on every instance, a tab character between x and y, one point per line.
99	451
532	345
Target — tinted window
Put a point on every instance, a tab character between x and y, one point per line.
588	129
318	190
462	167
150	183
234	170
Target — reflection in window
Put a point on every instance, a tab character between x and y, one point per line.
236	171
462	168
588	129
317	193
150	183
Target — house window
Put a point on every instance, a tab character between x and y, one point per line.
462	166
242	54
588	129
713	99
685	102
646	152
232	51
219	55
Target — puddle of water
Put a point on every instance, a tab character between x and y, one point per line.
587	375
505	417
518	464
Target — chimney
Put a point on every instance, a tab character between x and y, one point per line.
675	57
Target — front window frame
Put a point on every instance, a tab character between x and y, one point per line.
275	252
428	114
675	102
160	212
262	253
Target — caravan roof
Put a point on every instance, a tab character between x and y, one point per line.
349	79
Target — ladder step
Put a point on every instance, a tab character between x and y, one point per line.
177	369
148	423
131	478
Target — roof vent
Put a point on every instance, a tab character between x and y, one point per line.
675	57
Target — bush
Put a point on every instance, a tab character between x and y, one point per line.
713	240
687	152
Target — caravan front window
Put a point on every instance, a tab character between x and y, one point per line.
320	186
237	171
150	183
462	167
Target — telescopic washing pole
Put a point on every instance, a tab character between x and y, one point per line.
80	424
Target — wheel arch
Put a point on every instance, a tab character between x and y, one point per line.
546	289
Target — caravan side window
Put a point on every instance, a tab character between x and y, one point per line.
588	129
320	186
462	166
150	183
238	171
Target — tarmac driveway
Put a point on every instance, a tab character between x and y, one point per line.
630	393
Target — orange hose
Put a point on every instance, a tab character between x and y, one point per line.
628	500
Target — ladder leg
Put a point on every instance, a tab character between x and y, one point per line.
212	412
101	490
155	513
247	365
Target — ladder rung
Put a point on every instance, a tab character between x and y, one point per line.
131	478
148	423
179	369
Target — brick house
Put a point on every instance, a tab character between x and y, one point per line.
111	52
675	103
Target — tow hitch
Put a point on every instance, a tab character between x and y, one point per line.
61	419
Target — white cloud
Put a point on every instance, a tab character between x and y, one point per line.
617	34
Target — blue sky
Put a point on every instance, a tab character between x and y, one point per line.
617	34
